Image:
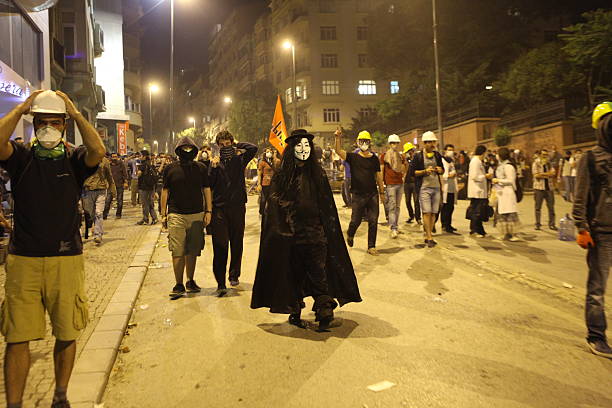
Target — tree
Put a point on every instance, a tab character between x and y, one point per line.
194	134
589	47
502	136
250	115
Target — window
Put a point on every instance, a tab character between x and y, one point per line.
303	119
328	33
302	91
289	95
331	87
331	115
362	60
329	60
365	113
394	85
363	6
367	87
20	43
327	6
362	33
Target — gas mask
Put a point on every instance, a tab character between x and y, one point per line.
363	145
302	149
48	137
269	155
227	152
187	153
204	156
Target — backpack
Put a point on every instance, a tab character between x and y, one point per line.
519	189
149	177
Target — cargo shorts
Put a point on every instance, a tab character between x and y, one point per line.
35	285
185	234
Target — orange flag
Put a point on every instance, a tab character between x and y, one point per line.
278	133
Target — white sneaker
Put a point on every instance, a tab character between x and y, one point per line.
394	234
514	239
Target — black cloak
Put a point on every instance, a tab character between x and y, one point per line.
274	281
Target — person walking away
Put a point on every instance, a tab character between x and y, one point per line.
592	214
505	187
147	180
393	166
45	269
478	211
427	168
133	164
449	189
302	251
185	211
410	187
120	178
226	178
543	172
554	160
265	171
95	190
365	176
566	165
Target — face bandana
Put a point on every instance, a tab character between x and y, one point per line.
49	137
302	149
187	153
227	152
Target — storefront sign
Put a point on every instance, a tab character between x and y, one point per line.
10	87
122	129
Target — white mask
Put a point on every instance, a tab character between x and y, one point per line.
302	149
450	154
49	137
364	146
269	155
204	156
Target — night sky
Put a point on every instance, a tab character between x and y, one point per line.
194	21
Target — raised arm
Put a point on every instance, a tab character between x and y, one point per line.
250	150
339	150
9	122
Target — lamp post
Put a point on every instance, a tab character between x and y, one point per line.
172	71
437	69
153	88
289	45
192	120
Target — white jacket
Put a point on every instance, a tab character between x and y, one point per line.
477	179
506	188
448	168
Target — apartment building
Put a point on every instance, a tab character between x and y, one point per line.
132	67
24	56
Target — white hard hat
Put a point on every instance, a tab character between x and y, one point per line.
48	102
517	151
393	139
429	137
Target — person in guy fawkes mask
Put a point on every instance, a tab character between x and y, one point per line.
45	269
302	251
186	208
226	177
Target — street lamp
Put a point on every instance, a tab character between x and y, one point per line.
227	100
437	69
489	87
156	147
153	88
288	45
192	120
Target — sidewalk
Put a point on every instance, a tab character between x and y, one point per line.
105	266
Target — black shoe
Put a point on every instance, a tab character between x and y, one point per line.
452	228
221	292
234	282
349	241
600	348
295	320
419	222
118	217
553	228
153	222
142	222
431	243
104	217
538	228
409	221
60	404
192	287
178	290
451	231
325	323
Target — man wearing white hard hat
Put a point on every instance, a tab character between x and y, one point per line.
45	266
393	167
427	168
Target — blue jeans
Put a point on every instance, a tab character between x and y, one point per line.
429	198
394	199
93	203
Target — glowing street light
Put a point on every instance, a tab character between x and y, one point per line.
489	87
227	100
192	120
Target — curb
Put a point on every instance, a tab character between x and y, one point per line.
93	366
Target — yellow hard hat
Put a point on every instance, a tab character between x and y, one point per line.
600	111
364	134
408	147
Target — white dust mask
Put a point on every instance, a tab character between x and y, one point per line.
49	137
450	154
364	146
302	149
269	155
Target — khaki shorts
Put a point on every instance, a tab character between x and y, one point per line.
33	285
185	234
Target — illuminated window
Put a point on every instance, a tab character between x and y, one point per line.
367	87
394	87
331	87
289	95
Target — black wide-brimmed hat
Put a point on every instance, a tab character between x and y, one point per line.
299	134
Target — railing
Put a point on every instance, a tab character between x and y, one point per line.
551	112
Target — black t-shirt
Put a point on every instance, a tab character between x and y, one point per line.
363	173
46	195
185	182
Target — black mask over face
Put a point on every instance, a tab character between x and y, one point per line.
186	156
227	152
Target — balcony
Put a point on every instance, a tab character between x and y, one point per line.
135	119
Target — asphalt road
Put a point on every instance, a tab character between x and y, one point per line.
471	323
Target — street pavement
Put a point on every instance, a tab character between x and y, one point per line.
105	266
470	323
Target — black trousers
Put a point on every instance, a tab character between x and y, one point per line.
263	196
411	196
368	204
109	202
308	269
477	206
227	230
446	214
346	192
599	260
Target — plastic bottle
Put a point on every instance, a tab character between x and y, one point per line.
567	230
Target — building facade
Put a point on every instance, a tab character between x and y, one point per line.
132	33
24	56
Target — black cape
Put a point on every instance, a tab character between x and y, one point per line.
274	287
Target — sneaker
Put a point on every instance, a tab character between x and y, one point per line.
409	221
221	292
600	348
142	222
538	228
295	320
192	287
98	240
384	223
178	290
553	228
60	404
394	234
153	222
349	241
419	222
514	239
430	243
234	282
373	251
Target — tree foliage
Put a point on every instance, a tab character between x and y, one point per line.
502	136
250	115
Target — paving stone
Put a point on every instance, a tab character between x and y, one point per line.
98	360
122	308
112	322
104	339
86	387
